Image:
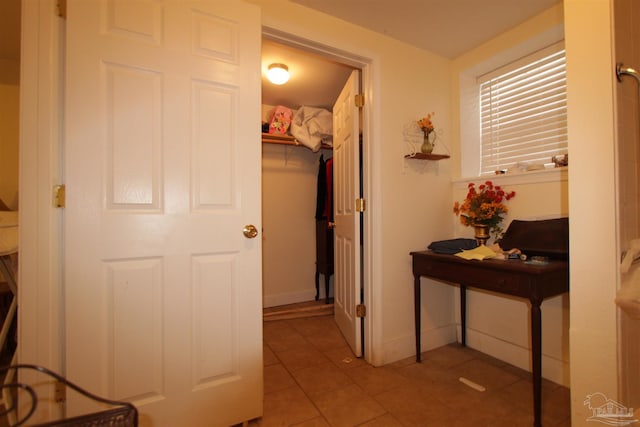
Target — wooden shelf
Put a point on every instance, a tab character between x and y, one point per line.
269	138
423	156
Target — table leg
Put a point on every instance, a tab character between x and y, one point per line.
327	278
463	314
536	355
416	304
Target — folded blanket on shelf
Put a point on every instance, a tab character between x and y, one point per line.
312	126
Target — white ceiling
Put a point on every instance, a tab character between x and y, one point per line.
445	27
315	81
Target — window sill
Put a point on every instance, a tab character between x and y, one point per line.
531	177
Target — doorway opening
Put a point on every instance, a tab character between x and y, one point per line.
291	181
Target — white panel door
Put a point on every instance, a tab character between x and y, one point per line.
346	169
162	163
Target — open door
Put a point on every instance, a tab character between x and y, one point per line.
162	273
346	169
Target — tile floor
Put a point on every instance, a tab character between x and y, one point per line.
312	379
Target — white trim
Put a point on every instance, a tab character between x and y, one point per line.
40	317
469	97
285	298
531	177
553	369
523	111
372	255
430	339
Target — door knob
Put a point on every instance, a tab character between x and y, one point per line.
250	231
331	224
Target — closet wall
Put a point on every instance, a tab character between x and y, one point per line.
289	189
9	120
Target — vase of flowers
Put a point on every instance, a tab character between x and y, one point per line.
481	233
483	209
429	139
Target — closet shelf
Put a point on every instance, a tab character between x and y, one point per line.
269	138
423	156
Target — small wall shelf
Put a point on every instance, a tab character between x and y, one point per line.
423	156
269	138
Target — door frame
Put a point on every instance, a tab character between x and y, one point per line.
40	331
371	184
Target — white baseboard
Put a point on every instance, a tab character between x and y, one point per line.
553	369
289	298
405	346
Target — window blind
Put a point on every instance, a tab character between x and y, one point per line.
523	113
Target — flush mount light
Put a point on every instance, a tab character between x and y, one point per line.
278	74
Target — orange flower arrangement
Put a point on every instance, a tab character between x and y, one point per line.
484	206
426	124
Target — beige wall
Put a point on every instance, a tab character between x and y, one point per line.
592	202
407	199
496	325
9	113
411	200
539	31
500	326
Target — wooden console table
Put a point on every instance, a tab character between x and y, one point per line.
534	282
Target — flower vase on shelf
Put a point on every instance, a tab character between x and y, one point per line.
428	142
481	233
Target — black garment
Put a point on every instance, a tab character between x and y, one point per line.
328	204
321	188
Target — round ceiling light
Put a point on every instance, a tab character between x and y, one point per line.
278	74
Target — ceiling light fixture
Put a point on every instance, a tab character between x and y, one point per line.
278	74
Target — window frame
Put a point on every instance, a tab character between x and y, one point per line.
468	95
505	73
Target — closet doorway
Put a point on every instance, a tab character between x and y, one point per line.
296	188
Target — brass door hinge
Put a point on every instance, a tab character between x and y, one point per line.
361	205
359	99
62	9
59	196
361	310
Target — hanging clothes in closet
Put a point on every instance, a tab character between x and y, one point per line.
324	225
324	202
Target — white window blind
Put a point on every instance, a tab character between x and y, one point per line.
523	112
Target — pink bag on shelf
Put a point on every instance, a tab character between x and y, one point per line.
280	120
